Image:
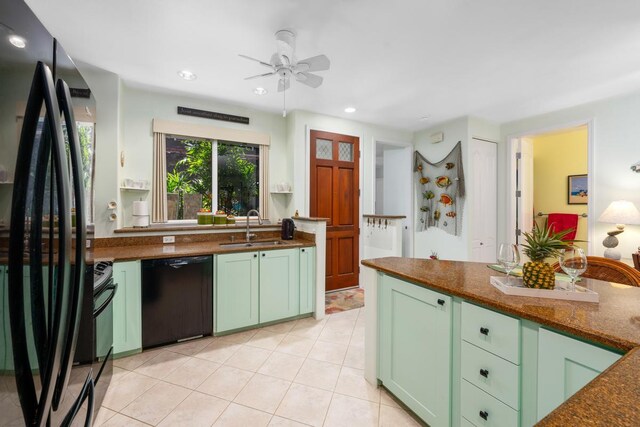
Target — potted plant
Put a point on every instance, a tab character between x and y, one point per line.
541	244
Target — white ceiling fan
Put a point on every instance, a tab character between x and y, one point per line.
283	63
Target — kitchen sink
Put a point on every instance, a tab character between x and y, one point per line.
254	244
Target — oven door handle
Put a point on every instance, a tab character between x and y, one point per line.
113	288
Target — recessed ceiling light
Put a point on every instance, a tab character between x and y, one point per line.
17	41
350	110
260	91
187	75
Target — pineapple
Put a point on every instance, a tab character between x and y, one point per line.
542	243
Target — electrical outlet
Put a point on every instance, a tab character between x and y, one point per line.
168	239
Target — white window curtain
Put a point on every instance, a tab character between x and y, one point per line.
159	187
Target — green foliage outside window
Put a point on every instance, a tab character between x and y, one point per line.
189	171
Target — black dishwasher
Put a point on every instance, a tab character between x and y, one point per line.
177	299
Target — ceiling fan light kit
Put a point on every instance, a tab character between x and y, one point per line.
284	65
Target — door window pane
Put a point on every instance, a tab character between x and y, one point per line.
345	152
324	149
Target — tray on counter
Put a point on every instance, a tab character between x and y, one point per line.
516	287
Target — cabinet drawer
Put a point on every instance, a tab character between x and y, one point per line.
494	332
492	374
466	423
476	405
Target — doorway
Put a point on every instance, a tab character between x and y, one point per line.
335	194
393	186
550	176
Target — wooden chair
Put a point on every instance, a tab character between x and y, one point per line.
608	270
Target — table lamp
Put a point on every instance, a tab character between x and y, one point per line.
620	212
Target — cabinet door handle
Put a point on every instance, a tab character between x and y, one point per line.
484	331
484	373
263	254
302	250
441	301
484	415
255	255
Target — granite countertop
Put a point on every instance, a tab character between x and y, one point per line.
612	398
614	322
609	400
155	251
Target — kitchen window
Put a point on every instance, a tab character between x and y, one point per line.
200	166
210	174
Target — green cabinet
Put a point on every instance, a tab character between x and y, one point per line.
565	365
252	288
279	284
415	348
236	294
307	280
127	307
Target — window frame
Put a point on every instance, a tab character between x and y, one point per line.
214	178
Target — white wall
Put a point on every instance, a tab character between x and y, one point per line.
448	246
107	89
302	121
140	107
616	139
433	239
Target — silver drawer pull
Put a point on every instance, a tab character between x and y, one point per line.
484	415
484	373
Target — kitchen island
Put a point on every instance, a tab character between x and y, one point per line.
541	351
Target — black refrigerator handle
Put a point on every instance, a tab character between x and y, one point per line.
86	393
75	309
36	410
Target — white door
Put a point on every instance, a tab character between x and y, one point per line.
484	210
397	178
524	194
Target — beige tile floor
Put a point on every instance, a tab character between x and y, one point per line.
298	373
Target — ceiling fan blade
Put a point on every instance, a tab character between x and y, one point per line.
315	63
309	79
283	84
260	75
266	64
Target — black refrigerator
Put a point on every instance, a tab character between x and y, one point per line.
46	269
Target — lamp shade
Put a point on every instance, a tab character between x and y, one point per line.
621	212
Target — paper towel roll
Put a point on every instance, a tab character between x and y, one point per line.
141	221
140	207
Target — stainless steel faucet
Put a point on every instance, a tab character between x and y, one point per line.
249	234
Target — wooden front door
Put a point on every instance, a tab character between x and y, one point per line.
334	195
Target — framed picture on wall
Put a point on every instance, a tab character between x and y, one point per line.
578	190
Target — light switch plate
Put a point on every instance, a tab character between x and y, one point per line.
168	239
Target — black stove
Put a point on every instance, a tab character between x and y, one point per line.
102	274
95	337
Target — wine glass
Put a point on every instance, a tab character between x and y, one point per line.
508	257
573	262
